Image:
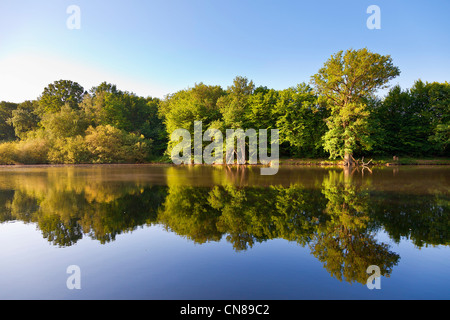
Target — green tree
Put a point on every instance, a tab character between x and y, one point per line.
413	122
345	82
25	118
301	121
154	128
261	113
93	102
65	123
183	108
431	103
393	124
234	106
125	111
199	103
60	93
6	128
441	138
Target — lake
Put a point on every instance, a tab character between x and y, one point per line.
162	232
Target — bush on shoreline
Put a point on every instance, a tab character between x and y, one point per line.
104	144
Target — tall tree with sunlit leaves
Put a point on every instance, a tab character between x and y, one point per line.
345	82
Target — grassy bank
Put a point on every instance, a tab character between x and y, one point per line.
338	162
376	161
283	161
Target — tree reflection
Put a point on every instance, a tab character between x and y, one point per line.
424	219
60	233
64	214
337	218
344	244
186	212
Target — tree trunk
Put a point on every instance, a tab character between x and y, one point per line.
348	160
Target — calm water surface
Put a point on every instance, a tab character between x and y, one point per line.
164	232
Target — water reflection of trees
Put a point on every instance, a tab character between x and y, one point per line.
424	219
345	244
65	216
337	221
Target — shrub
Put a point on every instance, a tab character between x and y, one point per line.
65	123
7	153
32	151
108	144
72	150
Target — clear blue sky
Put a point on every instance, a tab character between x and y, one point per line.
158	47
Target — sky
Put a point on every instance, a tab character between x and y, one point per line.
157	47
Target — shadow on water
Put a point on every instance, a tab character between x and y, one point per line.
335	213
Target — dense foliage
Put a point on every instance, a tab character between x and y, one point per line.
338	115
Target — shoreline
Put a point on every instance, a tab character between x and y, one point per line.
282	162
374	163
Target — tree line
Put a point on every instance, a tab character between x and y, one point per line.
337	115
